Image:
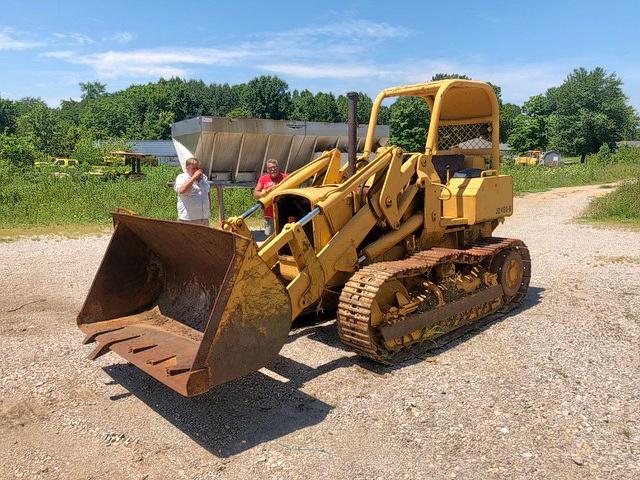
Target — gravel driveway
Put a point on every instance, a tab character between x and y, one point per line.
551	391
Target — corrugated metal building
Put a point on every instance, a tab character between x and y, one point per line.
163	150
234	151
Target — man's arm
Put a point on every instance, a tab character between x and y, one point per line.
184	188
260	191
257	192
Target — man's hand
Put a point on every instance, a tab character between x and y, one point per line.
267	190
198	174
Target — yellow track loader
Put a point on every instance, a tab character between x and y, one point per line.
400	245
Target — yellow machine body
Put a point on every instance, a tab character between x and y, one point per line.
195	306
532	158
476	200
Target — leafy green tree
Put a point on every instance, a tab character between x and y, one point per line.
527	133
18	150
40	124
448	76
363	109
303	105
7	116
409	121
221	99
267	96
69	111
588	110
157	124
70	136
25	104
239	112
537	106
508	113
326	109
384	116
110	116
86	150
92	90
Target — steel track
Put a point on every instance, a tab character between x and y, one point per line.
358	294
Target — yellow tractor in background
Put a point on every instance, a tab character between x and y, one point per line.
401	245
531	158
534	158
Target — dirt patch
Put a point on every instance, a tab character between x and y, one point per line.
618	259
15	414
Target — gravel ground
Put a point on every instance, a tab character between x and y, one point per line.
551	391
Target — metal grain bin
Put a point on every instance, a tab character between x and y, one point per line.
235	150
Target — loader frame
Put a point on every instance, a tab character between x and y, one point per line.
193	324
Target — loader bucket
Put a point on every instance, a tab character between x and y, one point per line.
190	305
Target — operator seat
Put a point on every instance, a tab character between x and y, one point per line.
442	163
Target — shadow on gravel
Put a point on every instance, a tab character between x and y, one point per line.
232	417
327	333
246	412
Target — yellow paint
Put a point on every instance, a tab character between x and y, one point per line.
479	199
532	158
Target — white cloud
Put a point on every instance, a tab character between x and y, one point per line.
148	62
121	37
356	30
338	71
73	39
337	55
518	81
336	41
12	40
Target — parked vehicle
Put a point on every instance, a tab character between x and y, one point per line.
58	163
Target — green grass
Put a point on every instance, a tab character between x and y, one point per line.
620	206
41	203
30	199
538	179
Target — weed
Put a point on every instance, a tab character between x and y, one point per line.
537	179
30	199
621	205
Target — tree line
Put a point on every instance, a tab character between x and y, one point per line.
588	110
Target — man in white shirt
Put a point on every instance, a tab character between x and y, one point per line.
194	197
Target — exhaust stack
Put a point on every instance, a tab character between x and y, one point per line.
352	130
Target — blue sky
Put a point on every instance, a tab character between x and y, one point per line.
47	47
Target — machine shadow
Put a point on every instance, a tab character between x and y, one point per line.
232	417
246	412
327	333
